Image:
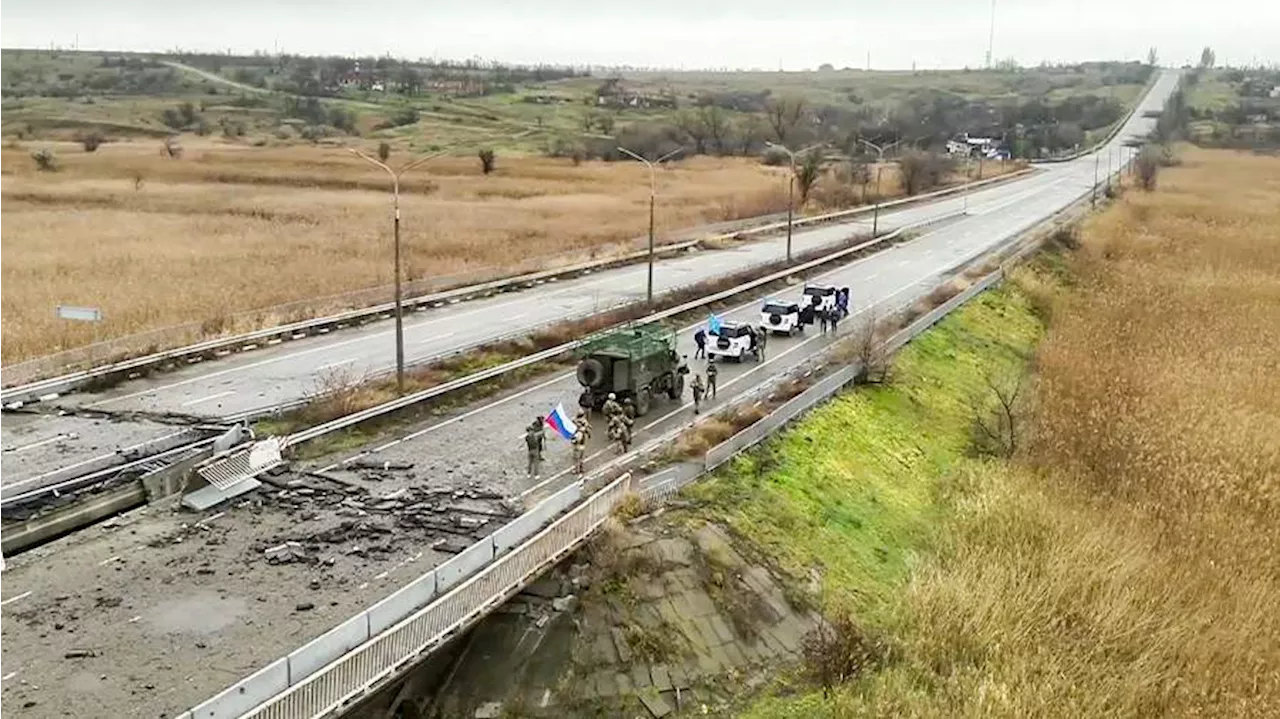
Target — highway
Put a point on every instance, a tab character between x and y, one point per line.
173	608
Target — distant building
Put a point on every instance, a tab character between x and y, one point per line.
964	145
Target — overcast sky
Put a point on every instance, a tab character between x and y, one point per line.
795	34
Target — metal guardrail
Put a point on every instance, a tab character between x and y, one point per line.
426	394
33	391
1119	125
306	684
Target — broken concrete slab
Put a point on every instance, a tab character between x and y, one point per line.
654	702
210	496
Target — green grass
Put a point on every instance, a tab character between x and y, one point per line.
854	491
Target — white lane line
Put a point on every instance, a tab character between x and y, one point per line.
48	440
210	397
435	338
8	676
14	599
109	560
339	363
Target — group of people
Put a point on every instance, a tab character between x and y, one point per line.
829	320
535	439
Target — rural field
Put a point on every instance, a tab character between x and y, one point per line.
264	217
1113	555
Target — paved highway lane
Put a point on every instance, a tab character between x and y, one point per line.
288	372
175	612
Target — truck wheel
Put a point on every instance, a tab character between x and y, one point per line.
642	401
676	389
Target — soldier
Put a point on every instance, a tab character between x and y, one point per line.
824	318
580	448
698	388
763	335
712	373
611	406
535	439
700	340
629	408
835	320
620	432
583	424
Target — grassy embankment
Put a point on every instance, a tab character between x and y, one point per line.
1124	562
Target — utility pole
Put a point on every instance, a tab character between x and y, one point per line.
653	191
791	186
991	34
879	150
395	193
1093	199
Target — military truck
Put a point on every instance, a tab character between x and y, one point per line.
638	362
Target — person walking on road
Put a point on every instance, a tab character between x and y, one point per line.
824	318
712	374
698	390
535	440
763	339
842	301
700	340
611	406
835	320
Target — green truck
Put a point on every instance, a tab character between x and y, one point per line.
637	362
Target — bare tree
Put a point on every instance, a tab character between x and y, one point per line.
808	172
921	171
717	126
691	124
784	114
748	130
860	174
172	147
1207	57
90	141
995	430
839	650
1147	165
869	351
1152	57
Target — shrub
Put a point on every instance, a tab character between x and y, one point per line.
773	157
384	151
922	170
838	651
90	141
45	160
487	160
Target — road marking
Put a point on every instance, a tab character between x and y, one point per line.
8	676
436	338
109	560
339	363
41	443
210	397
14	599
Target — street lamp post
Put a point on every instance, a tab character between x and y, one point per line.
791	186
395	192
653	191
879	150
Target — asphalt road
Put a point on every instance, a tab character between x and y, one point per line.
174	609
271	376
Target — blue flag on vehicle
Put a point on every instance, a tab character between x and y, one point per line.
713	325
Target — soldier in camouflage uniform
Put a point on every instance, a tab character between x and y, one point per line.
611	406
620	431
535	440
580	450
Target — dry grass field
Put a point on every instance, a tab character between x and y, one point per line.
1128	564
158	242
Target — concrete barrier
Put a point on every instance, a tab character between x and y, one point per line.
247	693
466	563
327	647
407	600
528	524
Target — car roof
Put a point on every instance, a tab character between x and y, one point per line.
819	287
787	304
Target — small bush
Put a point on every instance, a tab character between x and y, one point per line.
774	157
838	651
487	160
384	151
91	141
45	160
1147	167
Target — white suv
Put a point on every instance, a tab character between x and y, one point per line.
733	340
780	317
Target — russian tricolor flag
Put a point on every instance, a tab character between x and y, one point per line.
560	422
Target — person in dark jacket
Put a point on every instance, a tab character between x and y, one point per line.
700	339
